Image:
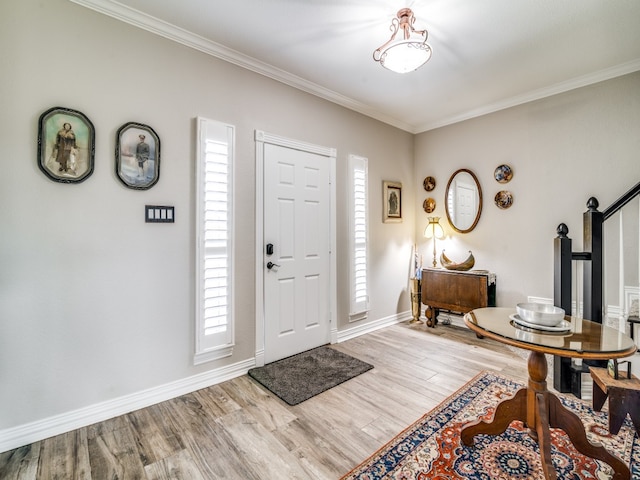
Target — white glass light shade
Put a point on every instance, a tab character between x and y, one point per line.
405	56
410	51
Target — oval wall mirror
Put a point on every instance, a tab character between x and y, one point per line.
463	200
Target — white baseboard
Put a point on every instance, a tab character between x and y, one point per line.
20	435
369	327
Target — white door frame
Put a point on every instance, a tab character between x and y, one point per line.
261	138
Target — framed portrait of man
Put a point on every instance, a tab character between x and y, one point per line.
137	156
66	145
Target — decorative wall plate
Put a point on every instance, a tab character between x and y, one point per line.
429	183
503	174
429	205
504	199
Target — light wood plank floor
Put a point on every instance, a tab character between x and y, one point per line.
238	430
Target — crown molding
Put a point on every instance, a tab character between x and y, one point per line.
583	81
159	27
164	29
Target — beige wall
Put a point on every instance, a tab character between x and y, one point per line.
97	306
563	150
94	303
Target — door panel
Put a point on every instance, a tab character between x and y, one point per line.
466	204
297	222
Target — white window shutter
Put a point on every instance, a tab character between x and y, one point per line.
359	236
214	263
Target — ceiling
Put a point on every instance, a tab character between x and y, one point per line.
487	55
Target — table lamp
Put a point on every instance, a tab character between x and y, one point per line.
434	230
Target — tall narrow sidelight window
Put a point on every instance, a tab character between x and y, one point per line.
214	234
359	238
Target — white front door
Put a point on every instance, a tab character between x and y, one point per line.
296	275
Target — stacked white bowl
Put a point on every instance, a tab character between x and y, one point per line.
540	314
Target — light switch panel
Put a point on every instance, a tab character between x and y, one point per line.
159	214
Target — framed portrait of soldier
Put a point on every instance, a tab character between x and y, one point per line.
137	156
66	145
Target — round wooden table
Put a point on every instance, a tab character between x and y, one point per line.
535	405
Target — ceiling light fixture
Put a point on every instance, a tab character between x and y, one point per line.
407	53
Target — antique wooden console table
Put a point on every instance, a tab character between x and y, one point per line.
456	291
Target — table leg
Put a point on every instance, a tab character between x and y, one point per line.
544	436
618	412
632	406
560	417
599	397
428	312
514	408
431	315
541	410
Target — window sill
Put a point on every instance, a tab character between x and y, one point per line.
356	317
212	354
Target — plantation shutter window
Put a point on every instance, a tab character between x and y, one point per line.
359	238
214	264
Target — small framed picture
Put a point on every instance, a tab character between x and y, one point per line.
66	145
137	156
392	202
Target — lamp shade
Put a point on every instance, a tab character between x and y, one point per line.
434	229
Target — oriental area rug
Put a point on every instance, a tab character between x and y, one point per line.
431	449
305	375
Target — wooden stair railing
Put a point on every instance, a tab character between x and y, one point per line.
566	377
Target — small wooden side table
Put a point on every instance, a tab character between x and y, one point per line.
624	397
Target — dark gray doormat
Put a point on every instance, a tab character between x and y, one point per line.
302	376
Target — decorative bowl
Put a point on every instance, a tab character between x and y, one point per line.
463	266
540	313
